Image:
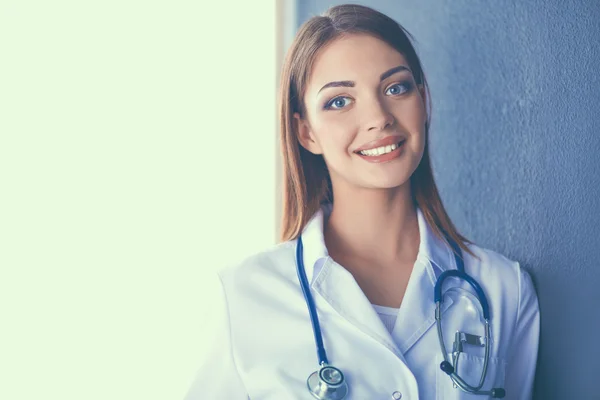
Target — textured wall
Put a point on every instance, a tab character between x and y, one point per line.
516	149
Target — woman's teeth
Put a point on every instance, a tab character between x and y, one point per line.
380	150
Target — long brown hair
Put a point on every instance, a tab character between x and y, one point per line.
306	180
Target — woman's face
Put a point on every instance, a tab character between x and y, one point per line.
361	91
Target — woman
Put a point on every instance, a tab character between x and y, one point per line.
366	232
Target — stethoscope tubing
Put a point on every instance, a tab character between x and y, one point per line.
322	355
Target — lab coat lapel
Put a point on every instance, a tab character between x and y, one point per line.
338	287
417	312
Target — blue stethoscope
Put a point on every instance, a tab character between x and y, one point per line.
328	383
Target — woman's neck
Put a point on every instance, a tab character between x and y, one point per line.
374	227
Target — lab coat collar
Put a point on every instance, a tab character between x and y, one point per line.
431	249
313	240
434	249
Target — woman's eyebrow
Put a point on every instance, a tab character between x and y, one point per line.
337	84
383	76
392	71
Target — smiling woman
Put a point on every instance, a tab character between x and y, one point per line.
366	247
381	105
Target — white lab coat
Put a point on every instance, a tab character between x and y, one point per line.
266	350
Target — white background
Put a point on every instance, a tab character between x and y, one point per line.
137	156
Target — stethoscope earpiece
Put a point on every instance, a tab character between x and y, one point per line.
328	383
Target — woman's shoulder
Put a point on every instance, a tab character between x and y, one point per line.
488	258
498	270
275	260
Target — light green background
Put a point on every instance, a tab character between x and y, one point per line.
137	155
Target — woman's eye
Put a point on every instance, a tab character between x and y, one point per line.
398	88
337	103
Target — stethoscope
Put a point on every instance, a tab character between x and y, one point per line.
329	383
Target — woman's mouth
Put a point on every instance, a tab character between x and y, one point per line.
383	153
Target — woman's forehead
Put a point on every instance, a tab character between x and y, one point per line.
353	58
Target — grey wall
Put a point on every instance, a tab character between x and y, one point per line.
516	146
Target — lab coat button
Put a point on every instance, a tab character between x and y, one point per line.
396	395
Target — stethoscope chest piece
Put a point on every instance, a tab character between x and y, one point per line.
328	383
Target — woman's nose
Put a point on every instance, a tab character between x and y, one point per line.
378	117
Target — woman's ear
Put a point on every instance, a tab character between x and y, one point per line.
306	136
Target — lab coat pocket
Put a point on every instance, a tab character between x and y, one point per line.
470	368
